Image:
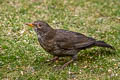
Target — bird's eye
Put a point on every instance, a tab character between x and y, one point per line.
39	26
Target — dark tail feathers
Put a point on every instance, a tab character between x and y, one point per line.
103	44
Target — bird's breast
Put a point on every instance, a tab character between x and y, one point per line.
45	44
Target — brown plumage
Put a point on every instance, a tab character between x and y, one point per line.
60	43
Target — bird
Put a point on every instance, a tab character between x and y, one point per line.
62	43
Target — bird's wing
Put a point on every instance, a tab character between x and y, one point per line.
72	40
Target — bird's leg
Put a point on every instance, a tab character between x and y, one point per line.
53	59
66	64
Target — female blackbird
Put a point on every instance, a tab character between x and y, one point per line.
60	43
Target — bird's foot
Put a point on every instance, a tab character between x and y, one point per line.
52	60
66	64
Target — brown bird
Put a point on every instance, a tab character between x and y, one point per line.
61	43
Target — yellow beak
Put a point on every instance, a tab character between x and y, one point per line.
30	24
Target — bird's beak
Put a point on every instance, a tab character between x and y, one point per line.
30	24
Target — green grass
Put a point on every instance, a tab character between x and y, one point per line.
22	58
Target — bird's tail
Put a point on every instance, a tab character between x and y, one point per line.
103	44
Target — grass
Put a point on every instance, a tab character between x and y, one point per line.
21	57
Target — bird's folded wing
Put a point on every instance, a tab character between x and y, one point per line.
73	40
68	44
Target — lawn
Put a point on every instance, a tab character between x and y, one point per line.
22	58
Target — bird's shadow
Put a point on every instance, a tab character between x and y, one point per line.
85	55
95	54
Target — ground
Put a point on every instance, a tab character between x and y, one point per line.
22	58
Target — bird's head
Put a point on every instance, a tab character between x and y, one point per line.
39	26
